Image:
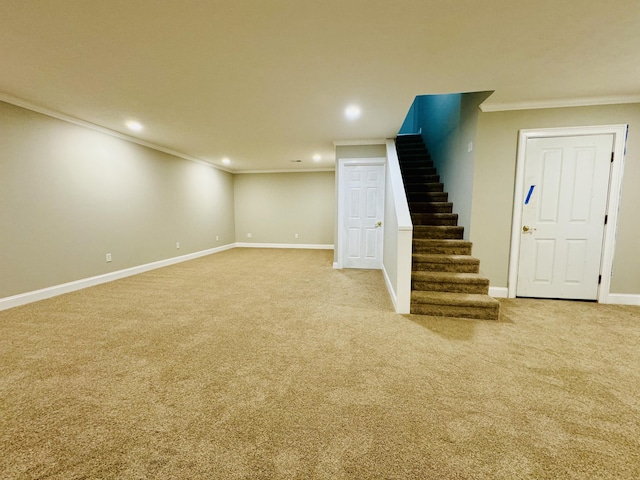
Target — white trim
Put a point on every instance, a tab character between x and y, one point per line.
419	132
624	299
335	265
286	245
619	133
351	143
44	293
348	162
392	293
499	292
559	103
19	102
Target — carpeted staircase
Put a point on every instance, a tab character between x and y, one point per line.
444	277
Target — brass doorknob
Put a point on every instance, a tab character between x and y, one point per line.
379	224
526	228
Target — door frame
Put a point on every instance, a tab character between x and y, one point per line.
343	164
619	133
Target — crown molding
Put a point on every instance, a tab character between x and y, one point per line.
19	102
559	103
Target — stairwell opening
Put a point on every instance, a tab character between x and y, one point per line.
445	279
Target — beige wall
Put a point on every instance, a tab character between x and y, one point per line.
450	152
69	195
361	151
495	176
273	207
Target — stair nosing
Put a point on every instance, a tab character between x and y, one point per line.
448	277
459	299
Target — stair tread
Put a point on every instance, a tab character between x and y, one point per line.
443	241
439	227
436	215
454	299
445	258
448	277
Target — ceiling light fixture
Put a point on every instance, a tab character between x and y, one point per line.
133	125
317	157
352	112
226	161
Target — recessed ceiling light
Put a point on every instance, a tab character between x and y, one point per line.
352	112
133	125
226	161
317	158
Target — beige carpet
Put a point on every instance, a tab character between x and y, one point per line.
270	364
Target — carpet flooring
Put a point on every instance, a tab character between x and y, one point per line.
261	364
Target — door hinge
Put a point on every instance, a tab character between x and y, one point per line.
606	219
599	279
612	156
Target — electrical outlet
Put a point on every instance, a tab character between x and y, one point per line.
108	257
177	244
249	235
297	235
470	147
217	238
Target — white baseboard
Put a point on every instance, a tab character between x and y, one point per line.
285	245
44	293
392	293
499	292
623	299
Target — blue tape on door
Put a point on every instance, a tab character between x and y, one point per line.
526	202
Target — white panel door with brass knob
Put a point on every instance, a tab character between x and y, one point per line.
563	216
362	228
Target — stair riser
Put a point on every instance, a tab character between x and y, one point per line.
416	162
431	207
481	313
413	171
441	250
418	188
440	222
438	232
480	288
420	179
409	150
427	197
412	147
446	267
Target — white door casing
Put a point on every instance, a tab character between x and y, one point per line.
360	213
563	216
519	239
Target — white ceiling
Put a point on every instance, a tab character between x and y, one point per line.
265	82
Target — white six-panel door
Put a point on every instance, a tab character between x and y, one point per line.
362	228
563	216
